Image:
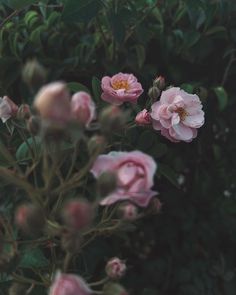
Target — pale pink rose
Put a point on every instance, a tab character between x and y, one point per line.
115	268
177	115
143	118
134	170
83	108
121	88
8	108
69	284
53	102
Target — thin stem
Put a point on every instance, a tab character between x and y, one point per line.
98	283
9	17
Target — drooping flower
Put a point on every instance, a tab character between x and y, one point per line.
115	268
143	118
8	108
134	170
69	284
83	108
53	102
177	115
121	88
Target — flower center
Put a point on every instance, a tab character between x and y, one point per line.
120	84
182	113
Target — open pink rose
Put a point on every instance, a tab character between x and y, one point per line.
7	108
69	284
177	115
143	118
134	171
83	108
121	88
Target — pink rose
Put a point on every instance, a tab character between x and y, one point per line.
53	102
134	170
143	118
177	115
69	284
115	268
83	108
121	88
7	108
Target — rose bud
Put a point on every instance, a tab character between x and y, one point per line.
71	241
114	289
78	214
154	93
8	108
96	144
159	82
30	219
23	112
112	119
155	205
69	284
83	108
107	183
115	268
143	118
34	74
128	211
53	103
33	125
18	289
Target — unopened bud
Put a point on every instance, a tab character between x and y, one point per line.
112	118
78	214
23	112
115	268
114	289
106	183
155	205
128	211
34	74
53	103
18	289
143	118
159	82
154	93
33	125
71	241
69	284
30	219
202	93
96	143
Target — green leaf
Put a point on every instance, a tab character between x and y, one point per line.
141	54
33	258
222	97
96	86
75	87
81	10
18	4
23	152
169	173
215	30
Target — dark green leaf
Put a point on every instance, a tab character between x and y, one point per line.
222	97
96	86
80	10
33	258
75	87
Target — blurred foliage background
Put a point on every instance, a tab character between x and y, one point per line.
190	247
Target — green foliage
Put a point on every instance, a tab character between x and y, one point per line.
190	247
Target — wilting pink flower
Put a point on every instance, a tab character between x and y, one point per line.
78	214
8	108
69	284
115	268
143	118
121	88
53	102
177	115
134	170
83	108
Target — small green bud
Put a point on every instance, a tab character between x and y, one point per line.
107	183
154	93
34	74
